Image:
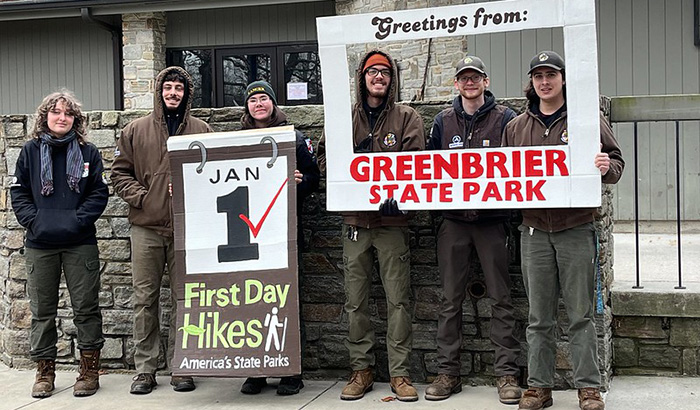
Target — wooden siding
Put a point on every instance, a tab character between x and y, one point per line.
645	47
246	25
39	57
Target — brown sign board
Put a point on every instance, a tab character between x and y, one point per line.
235	282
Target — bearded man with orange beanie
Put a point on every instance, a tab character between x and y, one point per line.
379	125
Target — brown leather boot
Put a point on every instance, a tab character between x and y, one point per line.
44	379
443	387
88	381
402	386
536	398
589	399
361	381
508	390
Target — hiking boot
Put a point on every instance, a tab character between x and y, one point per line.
443	387
182	383
144	383
536	398
253	385
290	385
361	381
589	399
402	386
88	380
508	390
44	379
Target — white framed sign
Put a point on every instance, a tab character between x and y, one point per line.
527	177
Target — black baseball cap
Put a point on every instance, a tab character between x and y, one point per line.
547	59
471	63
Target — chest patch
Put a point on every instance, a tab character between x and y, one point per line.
390	139
456	142
309	146
485	143
86	169
565	137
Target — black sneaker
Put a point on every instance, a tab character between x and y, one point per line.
182	383
143	383
290	385
253	385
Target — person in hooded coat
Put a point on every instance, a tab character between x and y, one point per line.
141	177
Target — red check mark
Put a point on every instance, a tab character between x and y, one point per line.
255	229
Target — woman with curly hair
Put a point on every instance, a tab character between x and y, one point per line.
58	192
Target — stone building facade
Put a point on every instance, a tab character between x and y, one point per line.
143	37
322	291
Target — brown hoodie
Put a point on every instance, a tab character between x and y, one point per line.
141	169
398	128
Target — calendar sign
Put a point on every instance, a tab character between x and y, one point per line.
236	284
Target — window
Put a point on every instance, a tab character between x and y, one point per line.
221	75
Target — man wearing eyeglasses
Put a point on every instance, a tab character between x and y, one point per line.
474	121
379	125
558	246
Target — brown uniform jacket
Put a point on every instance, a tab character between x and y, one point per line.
528	130
398	128
141	169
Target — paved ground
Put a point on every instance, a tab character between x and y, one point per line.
627	393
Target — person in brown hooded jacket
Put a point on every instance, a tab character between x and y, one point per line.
558	246
141	177
379	125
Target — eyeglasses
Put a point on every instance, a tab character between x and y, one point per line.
476	78
373	72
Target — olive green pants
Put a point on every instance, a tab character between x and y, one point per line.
393	255
553	264
81	267
149	254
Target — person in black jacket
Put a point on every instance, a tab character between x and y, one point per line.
58	192
261	111
474	121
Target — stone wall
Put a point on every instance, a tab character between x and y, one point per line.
656	330
322	290
426	67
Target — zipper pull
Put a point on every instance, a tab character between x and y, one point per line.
469	137
546	133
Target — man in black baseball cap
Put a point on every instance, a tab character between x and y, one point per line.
474	121
558	246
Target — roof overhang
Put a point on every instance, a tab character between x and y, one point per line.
45	9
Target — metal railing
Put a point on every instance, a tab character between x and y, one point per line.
659	108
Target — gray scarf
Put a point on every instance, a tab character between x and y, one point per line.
74	161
